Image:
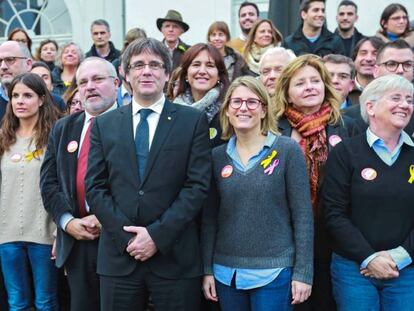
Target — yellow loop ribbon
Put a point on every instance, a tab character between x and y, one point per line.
29	156
411	180
265	163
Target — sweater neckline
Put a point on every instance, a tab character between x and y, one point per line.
258	163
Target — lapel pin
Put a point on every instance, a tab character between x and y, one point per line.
369	174
169	118
16	157
226	171
72	146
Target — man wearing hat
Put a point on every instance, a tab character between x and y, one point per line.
172	26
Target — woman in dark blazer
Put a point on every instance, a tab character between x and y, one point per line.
308	110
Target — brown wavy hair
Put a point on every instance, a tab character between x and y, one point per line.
280	99
48	114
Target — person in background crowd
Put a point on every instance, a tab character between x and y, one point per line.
395	24
271	65
346	17
247	264
149	243
312	37
62	183
248	15
172	27
262	37
364	57
46	52
72	100
342	71
131	35
394	57
102	46
26	237
42	70
67	62
173	84
203	83
367	197
218	35
15	59
20	35
308	111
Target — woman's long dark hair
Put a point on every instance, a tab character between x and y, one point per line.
48	114
188	58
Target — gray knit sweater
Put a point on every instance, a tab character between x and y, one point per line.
256	220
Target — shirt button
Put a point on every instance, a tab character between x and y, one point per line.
141	192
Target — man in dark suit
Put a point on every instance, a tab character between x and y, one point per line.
62	183
148	175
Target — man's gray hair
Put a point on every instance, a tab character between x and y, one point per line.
111	71
147	45
377	88
277	51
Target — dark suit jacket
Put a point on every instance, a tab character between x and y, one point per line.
58	178
167	200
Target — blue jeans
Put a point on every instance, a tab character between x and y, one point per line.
22	263
354	292
273	296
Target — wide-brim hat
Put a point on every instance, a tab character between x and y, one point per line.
172	16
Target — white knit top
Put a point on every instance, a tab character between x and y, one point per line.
22	215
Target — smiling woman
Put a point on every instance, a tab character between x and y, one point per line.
262	36
259	184
203	82
372	229
395	24
308	107
218	35
69	57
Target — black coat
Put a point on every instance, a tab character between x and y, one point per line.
354	40
113	53
327	43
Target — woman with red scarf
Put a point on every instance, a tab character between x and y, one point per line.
308	110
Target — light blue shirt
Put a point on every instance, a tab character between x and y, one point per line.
399	255
246	278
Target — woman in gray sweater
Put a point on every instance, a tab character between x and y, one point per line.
257	232
26	232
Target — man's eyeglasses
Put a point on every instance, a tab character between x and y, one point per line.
393	65
251	103
153	65
10	60
96	80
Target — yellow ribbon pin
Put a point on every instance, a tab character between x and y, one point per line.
29	156
265	163
411	180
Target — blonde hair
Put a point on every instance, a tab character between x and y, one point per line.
281	97
268	123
